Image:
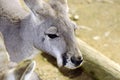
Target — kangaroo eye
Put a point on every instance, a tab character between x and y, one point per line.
52	36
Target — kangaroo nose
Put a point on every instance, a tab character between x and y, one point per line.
76	60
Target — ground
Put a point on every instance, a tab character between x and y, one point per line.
98	25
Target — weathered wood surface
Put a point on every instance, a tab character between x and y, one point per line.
98	65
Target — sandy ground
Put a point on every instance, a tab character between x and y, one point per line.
98	25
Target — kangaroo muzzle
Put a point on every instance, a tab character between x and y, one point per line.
72	62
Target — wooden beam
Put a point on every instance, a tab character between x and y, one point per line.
97	65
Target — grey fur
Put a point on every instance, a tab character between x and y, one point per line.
26	36
23	71
12	71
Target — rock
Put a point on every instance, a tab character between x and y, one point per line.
76	17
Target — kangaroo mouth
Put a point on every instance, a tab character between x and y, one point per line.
71	62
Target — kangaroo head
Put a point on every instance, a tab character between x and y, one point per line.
23	71
54	31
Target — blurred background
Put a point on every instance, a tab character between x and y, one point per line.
98	25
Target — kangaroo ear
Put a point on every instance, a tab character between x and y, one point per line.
25	69
39	8
60	6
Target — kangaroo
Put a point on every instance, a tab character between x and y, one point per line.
46	27
23	71
12	71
